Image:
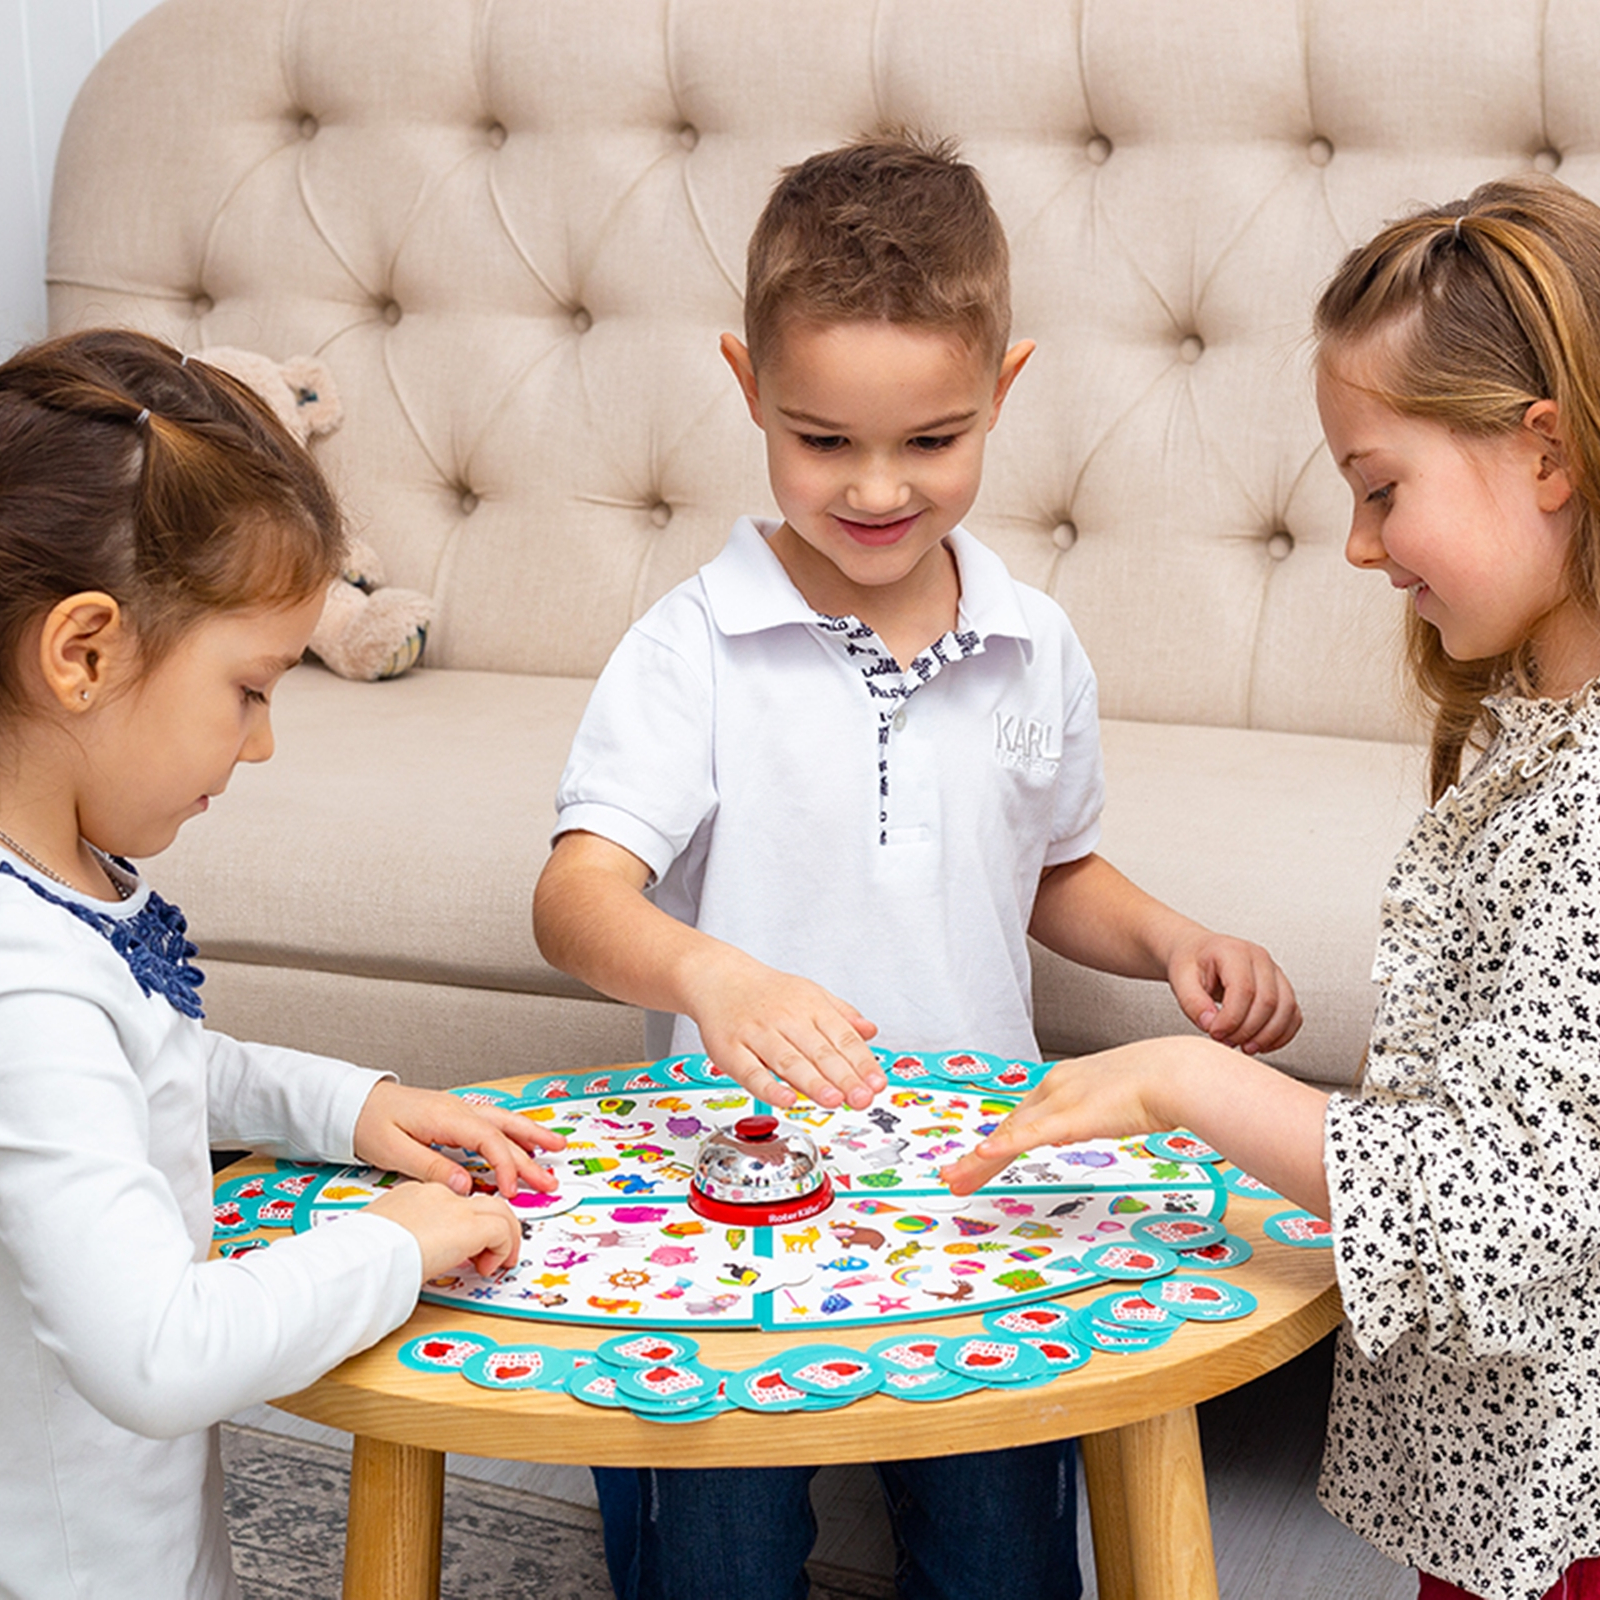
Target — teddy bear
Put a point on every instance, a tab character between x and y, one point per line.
367	631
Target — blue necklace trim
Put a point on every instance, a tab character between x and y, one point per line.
153	941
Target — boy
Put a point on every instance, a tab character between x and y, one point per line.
851	759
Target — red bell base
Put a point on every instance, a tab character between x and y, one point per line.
757	1214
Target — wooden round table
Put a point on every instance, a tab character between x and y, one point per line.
1133	1415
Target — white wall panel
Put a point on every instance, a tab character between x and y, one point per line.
46	49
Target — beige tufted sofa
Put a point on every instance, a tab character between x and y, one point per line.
515	229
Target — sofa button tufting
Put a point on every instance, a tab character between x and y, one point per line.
582	322
1192	348
1319	152
661	513
469	502
1280	544
309	126
202	305
389	310
1546	160
496	134
1098	150
1064	535
688	136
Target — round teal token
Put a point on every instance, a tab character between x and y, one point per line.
908	1352
1181	1146
1176	1230
1229	1251
1239	1182
765	1388
1131	1260
1200	1299
1303	1229
994	1360
668	1385
645	1349
1131	1308
962	1067
831	1371
596	1385
1022	1322
1065	1352
1122	1340
714	1407
445	1351
519	1366
933	1383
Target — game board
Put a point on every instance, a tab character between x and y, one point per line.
618	1245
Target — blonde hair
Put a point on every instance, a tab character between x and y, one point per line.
891	228
1484	306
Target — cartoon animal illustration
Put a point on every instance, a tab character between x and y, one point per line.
806	1239
905	1252
960	1291
615	1307
886	1155
857	1237
672	1255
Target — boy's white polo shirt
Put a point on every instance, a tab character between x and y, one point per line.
733	744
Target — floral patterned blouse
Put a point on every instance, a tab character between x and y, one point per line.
1464	1435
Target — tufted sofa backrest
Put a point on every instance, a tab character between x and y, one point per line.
516	228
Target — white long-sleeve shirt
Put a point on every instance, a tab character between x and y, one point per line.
120	1344
1464	1436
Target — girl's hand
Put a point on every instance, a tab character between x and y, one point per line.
1093	1097
398	1126
451	1228
1234	991
774	1033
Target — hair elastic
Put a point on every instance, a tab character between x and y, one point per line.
1457	230
143	417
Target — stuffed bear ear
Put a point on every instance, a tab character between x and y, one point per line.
316	397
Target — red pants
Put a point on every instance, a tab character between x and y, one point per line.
1581	1581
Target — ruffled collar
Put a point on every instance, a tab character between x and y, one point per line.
152	939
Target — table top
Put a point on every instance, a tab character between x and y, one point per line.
372	1394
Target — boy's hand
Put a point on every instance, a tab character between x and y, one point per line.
1102	1096
1234	991
451	1228
398	1127
774	1033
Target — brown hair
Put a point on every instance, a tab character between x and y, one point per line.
892	228
1484	306
127	468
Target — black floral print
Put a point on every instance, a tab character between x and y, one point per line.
1465	1180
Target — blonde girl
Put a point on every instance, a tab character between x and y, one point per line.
164	547
1458	380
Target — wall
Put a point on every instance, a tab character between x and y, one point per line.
46	49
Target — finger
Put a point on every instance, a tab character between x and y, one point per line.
513	1166
1195	1000
504	1250
846	1063
748	1070
1283	1025
969	1173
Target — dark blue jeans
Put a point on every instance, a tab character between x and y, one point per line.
1001	1525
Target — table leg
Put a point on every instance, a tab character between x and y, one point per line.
1101	1454
1169	1522
395	1528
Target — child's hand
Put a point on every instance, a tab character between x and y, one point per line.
1101	1096
774	1033
398	1126
451	1228
1234	991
